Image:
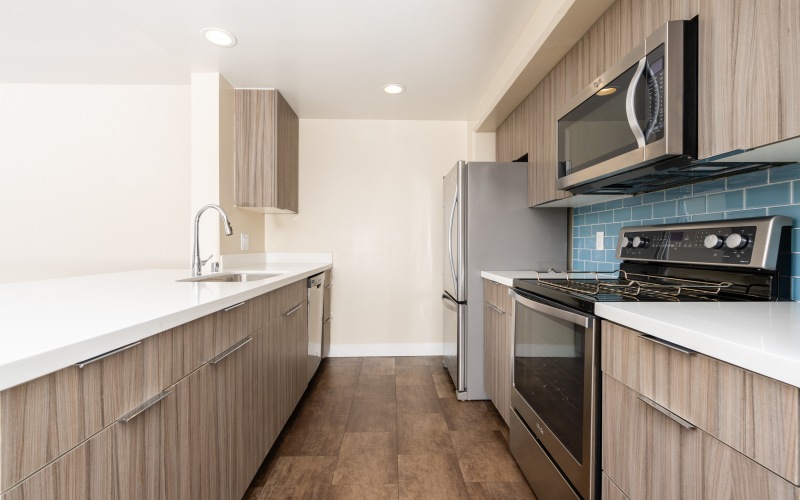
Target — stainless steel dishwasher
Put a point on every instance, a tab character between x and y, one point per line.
316	288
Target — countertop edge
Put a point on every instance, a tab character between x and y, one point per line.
780	368
23	370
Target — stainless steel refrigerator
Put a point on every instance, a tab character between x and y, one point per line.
488	227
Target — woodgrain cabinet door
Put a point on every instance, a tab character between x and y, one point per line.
267	145
44	418
753	414
646	453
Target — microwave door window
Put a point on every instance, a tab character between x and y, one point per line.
549	357
598	129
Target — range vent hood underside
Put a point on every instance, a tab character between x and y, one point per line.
680	170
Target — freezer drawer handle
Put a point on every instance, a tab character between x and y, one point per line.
683	423
672	346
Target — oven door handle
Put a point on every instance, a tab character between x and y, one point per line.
578	319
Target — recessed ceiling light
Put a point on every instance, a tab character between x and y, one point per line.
394	88
219	37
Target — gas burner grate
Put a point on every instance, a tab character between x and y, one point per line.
631	285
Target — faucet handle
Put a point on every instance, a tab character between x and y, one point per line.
203	262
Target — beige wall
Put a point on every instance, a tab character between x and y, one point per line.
212	169
371	193
93	179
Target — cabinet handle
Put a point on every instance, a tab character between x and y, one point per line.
683	423
230	350
295	308
107	354
327	320
495	308
143	407
233	307
672	346
329	285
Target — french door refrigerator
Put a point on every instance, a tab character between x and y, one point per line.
488	227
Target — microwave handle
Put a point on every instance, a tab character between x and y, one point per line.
630	108
651	123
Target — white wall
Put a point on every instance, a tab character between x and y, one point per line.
371	193
93	179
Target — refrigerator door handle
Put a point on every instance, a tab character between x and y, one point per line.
450	242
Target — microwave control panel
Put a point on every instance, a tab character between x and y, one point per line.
718	245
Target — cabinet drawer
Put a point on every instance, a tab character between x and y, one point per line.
756	415
497	295
44	418
649	454
238	321
179	351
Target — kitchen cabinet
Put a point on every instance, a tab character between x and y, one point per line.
44	418
678	424
747	73
187	413
498	345
266	158
327	315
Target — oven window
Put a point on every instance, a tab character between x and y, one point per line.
549	373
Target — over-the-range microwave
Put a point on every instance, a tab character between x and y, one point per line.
636	124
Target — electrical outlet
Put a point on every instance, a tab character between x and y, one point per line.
245	241
599	243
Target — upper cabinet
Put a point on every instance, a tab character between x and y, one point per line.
747	78
266	162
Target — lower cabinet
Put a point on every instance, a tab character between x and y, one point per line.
203	436
659	443
498	346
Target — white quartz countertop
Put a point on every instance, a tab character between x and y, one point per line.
51	324
507	277
763	337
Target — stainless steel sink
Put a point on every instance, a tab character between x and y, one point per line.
233	277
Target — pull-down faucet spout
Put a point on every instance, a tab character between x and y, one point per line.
197	264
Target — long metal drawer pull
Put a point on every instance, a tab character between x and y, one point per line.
107	354
295	308
230	350
683	423
143	407
495	308
665	343
233	307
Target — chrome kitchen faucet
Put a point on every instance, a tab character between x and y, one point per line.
197	264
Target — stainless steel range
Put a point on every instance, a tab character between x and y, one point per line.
555	425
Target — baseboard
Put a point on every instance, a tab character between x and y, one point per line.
370	350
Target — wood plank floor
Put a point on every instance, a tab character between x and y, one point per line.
389	428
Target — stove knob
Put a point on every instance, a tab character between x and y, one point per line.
713	241
626	242
640	242
736	241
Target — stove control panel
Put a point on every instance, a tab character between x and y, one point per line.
723	245
742	243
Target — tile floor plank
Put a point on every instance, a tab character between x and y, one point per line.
389	428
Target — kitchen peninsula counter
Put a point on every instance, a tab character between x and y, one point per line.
51	324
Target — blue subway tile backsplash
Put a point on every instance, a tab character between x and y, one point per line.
774	191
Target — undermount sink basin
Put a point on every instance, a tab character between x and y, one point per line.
233	277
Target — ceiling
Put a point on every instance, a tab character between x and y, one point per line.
328	57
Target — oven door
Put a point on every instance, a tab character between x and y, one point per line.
555	382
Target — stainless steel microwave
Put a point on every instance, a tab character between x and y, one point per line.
635	123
